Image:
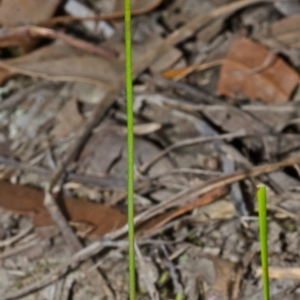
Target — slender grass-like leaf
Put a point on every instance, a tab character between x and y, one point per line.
262	211
130	152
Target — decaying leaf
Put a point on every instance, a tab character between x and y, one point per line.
29	201
251	70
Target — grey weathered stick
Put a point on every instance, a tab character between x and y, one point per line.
189	142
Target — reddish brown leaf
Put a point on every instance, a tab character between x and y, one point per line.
251	70
29	201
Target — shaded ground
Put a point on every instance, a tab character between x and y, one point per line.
216	113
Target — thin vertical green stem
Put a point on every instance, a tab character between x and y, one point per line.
130	152
262	211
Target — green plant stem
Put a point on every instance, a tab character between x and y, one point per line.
262	211
130	150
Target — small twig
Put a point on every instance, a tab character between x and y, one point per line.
237	282
281	273
177	286
75	42
17	237
36	31
54	78
61	222
18	249
270	58
190	142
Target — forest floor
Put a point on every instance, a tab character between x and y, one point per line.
216	112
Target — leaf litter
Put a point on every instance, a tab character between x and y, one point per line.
197	232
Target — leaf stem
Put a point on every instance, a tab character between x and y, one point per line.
130	148
262	211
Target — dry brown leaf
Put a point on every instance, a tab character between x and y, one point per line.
68	119
251	70
21	12
29	201
61	62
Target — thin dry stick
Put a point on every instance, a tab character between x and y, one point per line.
15	238
292	273
18	249
54	78
36	31
190	142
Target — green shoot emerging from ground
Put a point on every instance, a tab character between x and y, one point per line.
262	211
130	156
